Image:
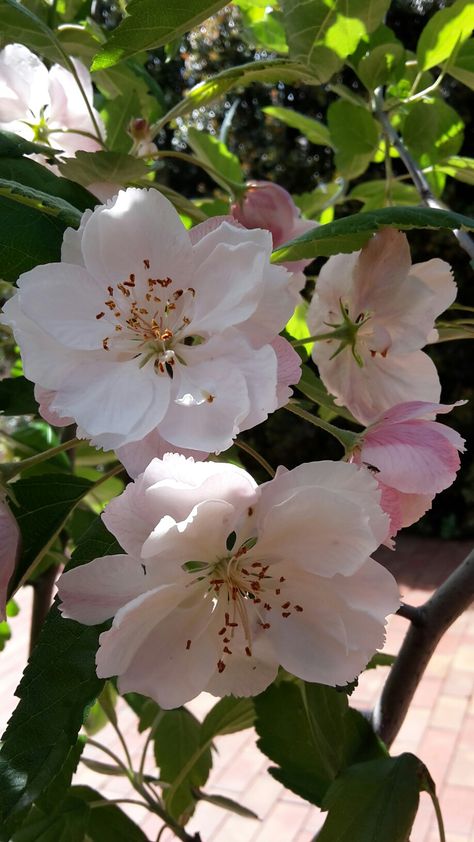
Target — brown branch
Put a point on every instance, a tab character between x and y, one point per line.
433	619
43	588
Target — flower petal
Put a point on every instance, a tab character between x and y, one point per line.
96	591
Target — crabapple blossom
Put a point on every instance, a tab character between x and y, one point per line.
223	580
267	205
376	311
147	327
414	458
46	105
9	541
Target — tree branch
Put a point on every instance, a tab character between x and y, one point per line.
434	618
426	194
43	588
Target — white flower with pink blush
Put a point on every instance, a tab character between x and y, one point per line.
224	580
382	310
46	105
145	326
412	456
267	205
9	542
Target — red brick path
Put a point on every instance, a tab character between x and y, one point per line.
439	727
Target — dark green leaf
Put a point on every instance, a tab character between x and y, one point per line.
181	757
17	397
107	822
226	717
352	232
226	804
322	33
40	201
19	24
311	732
313	129
382	64
60	783
373	802
38	436
150	24
44	504
67	823
146	709
28	236
14	146
355	136
444	32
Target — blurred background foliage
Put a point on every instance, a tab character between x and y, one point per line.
269	149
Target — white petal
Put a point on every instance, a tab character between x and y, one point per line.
96	591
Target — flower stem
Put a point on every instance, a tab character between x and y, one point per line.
12	469
344	437
257	456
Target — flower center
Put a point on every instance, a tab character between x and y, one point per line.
248	592
354	333
150	315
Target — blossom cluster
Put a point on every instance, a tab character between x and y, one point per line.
163	344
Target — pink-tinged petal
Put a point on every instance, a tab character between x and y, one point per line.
148	647
380	383
23	85
437	275
95	592
136	455
342	623
151	227
413	507
230	265
64	301
113	402
382	266
306	528
350	483
414	410
275	307
69	111
288	369
9	544
45	398
390	503
199	231
413	456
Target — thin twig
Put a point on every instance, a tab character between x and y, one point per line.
434	618
255	455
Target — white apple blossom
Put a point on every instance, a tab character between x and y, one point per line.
145	326
222	580
378	311
46	105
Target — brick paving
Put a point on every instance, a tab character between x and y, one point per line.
439	727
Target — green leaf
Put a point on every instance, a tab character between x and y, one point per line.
445	31
212	151
266	29
226	804
432	131
146	709
297	327
373	801
355	136
352	232
322	33
226	717
381	659
107	822
313	388
458	167
28	235
311	732
382	64
60	783
150	24
67	823
44	504
17	397
377	194
272	70
323	196
314	130
40	201
113	167
462	68
14	146
178	752
19	24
